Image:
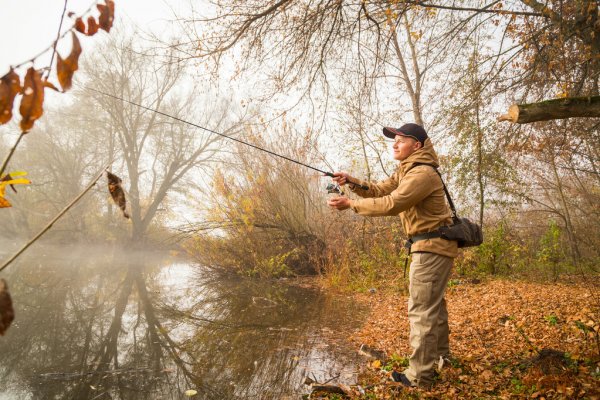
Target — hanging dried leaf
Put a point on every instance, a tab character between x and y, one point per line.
33	99
10	86
7	314
116	192
66	67
80	25
92	26
107	15
50	85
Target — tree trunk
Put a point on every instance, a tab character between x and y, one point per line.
575	254
570	107
413	90
480	167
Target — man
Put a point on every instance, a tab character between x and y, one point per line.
416	193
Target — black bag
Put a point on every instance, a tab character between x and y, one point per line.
464	231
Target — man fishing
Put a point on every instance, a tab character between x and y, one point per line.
415	192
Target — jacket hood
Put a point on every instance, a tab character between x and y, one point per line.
425	155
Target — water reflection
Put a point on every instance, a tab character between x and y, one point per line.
110	325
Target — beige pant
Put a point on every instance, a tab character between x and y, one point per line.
427	314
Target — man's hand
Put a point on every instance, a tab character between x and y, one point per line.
339	203
342	178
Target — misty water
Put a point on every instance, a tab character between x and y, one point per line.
103	324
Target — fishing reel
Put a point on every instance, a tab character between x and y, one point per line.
334	188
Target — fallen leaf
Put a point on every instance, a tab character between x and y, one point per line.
191	392
10	86
33	99
486	375
66	67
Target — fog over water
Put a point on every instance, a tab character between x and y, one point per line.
98	323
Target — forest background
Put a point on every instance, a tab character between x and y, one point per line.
316	81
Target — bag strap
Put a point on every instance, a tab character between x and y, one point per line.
450	202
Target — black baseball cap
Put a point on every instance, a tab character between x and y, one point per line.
414	131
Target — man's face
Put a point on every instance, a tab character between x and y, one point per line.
404	146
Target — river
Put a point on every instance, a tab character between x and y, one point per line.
97	323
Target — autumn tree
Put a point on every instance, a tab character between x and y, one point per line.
264	216
556	57
479	168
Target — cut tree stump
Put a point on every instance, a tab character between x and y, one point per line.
568	107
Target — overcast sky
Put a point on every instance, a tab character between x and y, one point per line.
29	26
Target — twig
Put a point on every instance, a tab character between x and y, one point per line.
53	44
10	153
56	218
330	379
62	18
485	9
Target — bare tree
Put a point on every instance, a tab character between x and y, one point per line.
392	49
157	151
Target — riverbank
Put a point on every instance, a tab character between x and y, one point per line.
508	339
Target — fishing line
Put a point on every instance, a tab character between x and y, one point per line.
330	174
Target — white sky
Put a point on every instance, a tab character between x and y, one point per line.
29	26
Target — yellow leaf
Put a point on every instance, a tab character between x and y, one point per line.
18	173
19	181
376	364
191	392
4	203
7	180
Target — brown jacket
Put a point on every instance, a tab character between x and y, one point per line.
417	195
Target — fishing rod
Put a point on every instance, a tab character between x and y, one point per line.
330	174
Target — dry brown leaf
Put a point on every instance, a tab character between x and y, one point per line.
80	25
50	85
7	314
10	86
116	192
92	26
66	67
33	99
107	15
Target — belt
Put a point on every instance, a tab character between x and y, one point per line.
422	236
416	238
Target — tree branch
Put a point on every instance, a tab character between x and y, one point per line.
569	107
60	214
485	9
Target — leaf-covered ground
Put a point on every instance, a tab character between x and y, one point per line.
509	339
